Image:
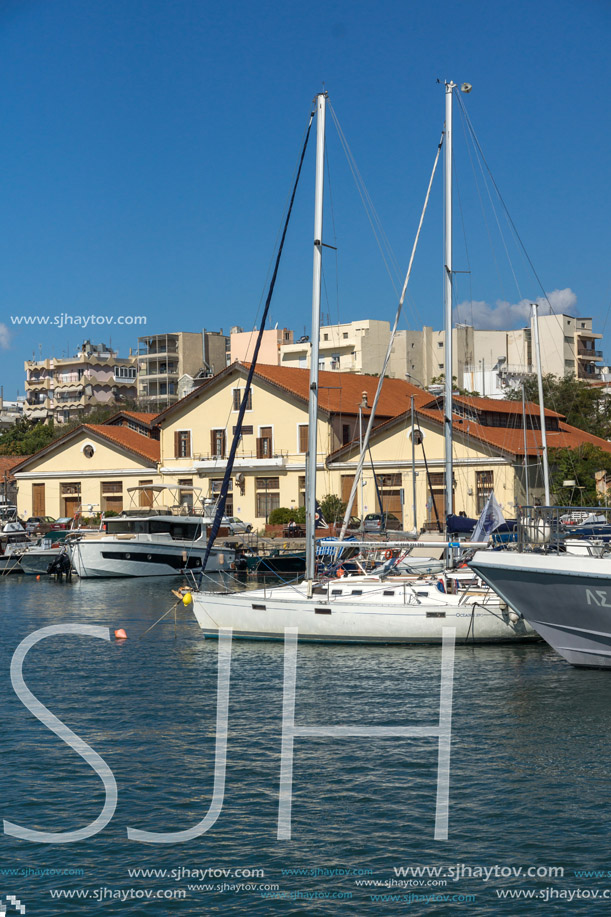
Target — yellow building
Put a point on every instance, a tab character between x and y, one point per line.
269	469
186	448
88	470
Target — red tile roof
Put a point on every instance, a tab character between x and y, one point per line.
140	445
509	440
140	416
341	393
500	406
7	463
129	439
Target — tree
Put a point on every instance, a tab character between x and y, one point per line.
27	436
333	508
579	465
582	405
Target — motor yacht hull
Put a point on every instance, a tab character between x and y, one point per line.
566	598
108	556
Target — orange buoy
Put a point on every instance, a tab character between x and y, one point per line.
38	576
120	634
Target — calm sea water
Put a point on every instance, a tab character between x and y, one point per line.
530	769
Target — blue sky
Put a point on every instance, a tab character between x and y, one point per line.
147	150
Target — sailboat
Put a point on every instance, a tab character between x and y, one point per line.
367	609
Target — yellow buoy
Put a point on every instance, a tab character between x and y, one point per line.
187	598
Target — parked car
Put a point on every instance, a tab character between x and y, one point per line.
382	522
236	526
39	525
64	522
354	523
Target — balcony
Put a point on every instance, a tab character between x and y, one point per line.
39	382
157	347
585	353
204	464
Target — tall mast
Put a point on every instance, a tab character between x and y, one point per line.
321	101
535	324
447	401
448	283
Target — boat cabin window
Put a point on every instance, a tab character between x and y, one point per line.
125	526
175	528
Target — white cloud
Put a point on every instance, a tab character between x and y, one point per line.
5	337
504	315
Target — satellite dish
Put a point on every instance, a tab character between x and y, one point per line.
466	87
239	478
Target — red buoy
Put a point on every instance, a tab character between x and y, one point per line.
120	634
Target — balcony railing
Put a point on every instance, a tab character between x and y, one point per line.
589	354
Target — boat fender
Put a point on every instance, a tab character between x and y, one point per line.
120	634
340	572
441	586
187	599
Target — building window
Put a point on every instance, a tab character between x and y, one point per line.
215	489
238	394
111	497
268	496
264	443
345	335
325	337
345	433
484	485
185	497
217	443
302	429
182	444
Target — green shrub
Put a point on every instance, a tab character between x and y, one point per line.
283	515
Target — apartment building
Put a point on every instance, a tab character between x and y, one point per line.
68	388
165	359
351	347
242	345
490	362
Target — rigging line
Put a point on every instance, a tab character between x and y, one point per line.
375	215
504	205
468	146
481	160
334	230
370	212
218	516
464	232
494	211
274	248
359	469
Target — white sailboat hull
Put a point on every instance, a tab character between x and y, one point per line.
264	614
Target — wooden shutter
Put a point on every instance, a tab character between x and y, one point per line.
176	444
38	500
187	441
303	437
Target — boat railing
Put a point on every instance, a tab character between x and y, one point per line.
559	529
